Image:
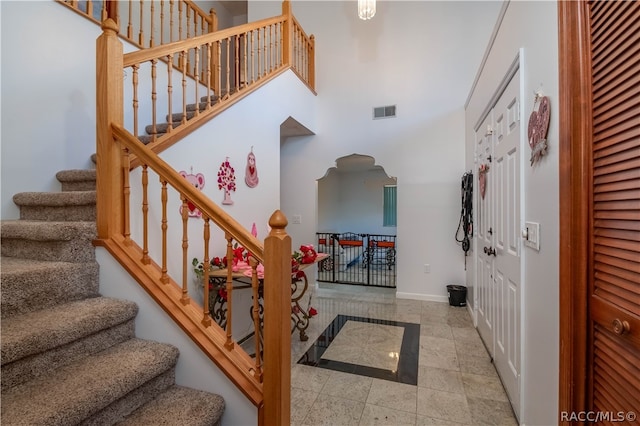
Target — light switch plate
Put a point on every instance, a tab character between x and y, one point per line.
296	219
531	235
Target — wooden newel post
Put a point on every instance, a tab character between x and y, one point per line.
109	109
277	324
213	59
287	34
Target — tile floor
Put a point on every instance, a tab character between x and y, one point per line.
372	359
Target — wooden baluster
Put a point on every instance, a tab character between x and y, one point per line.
279	44
188	22
161	22
259	50
196	75
236	51
185	246
277	323
152	30
218	77
255	290
134	82
154	99
179	20
228	67
253	58
271	45
171	4
245	42
300	52
184	87
126	196
208	76
265	56
229	343
170	92
206	319
129	23
89	8
141	32
145	215
164	278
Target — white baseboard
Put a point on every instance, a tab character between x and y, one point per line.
426	297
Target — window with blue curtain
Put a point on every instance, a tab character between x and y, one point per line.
389	206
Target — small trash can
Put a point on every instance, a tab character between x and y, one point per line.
457	295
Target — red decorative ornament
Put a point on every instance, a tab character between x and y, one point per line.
227	181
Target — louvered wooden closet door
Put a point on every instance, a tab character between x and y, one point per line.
614	278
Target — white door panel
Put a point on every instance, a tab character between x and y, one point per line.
485	285
507	160
498	243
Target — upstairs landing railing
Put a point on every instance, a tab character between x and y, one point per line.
173	88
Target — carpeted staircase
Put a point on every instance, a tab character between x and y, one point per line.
69	355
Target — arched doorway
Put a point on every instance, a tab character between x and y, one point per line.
356	223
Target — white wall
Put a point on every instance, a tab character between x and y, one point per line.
415	55
521	29
359	203
48	96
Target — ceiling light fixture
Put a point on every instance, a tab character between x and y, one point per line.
366	9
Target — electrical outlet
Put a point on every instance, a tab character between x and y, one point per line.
296	219
427	268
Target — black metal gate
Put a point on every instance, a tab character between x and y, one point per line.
364	259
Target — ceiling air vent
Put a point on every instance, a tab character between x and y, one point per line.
384	112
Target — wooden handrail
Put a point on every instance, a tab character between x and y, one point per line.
146	55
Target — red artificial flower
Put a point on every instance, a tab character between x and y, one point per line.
312	312
308	253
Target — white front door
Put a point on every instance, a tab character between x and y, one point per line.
505	171
484	266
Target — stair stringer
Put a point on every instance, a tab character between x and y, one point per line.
194	368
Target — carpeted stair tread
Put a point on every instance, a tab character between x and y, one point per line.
179	406
177	117
32	284
77	179
55	199
47	231
75	392
38	331
199	106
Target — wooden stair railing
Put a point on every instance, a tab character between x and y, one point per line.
265	379
174	88
140	20
265	382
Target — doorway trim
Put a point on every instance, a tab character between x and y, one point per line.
574	161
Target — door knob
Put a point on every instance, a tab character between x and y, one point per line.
621	327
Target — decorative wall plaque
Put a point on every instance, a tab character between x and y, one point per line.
538	128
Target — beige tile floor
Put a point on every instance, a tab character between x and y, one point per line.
457	383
